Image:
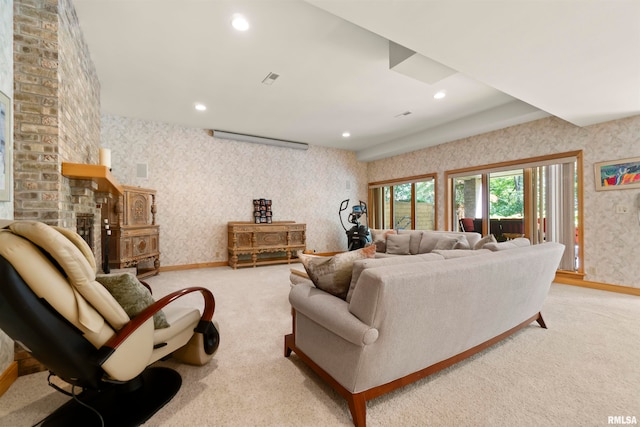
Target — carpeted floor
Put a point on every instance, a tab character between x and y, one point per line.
580	371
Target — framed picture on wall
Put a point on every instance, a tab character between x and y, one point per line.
5	147
618	174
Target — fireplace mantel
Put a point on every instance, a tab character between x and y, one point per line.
98	173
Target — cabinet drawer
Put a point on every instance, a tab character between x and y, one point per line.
276	238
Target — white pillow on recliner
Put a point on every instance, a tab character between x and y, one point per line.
78	270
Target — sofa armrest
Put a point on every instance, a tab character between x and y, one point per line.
332	313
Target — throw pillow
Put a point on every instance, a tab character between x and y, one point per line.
398	244
461	243
489	238
132	296
333	274
379	238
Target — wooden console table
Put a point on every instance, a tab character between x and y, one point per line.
262	244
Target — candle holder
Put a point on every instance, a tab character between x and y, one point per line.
107	234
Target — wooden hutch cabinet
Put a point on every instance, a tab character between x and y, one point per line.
135	236
261	244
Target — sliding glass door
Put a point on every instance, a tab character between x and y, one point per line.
506	204
555	210
536	198
469	203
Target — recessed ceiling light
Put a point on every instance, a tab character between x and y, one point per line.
200	107
239	22
440	95
346	134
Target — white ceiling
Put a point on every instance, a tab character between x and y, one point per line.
512	61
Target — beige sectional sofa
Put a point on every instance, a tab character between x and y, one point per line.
406	317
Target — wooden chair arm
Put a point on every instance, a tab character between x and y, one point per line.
114	342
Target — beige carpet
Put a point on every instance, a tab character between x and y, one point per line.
581	370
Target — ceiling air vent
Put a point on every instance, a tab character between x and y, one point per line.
271	77
406	113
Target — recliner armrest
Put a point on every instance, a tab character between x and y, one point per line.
121	336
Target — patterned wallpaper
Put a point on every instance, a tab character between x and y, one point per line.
204	182
610	238
6	87
6	71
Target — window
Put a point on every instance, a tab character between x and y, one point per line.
403	204
538	198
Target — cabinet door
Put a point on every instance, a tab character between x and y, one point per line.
138	207
141	245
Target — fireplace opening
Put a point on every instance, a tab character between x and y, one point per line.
84	227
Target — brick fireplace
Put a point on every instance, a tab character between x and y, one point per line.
56	117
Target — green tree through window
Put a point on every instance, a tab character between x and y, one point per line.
507	196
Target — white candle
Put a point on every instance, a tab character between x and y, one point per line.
105	157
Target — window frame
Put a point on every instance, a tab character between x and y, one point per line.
406	180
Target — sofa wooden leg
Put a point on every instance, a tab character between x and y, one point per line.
288	344
540	321
358	408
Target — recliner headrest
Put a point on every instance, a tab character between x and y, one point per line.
75	265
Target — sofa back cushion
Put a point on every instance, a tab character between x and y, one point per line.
398	244
414	241
361	265
446	240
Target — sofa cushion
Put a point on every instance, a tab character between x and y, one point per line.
451	242
361	265
428	242
414	243
489	238
398	244
132	296
333	274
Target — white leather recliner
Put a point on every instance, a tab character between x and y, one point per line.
51	303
